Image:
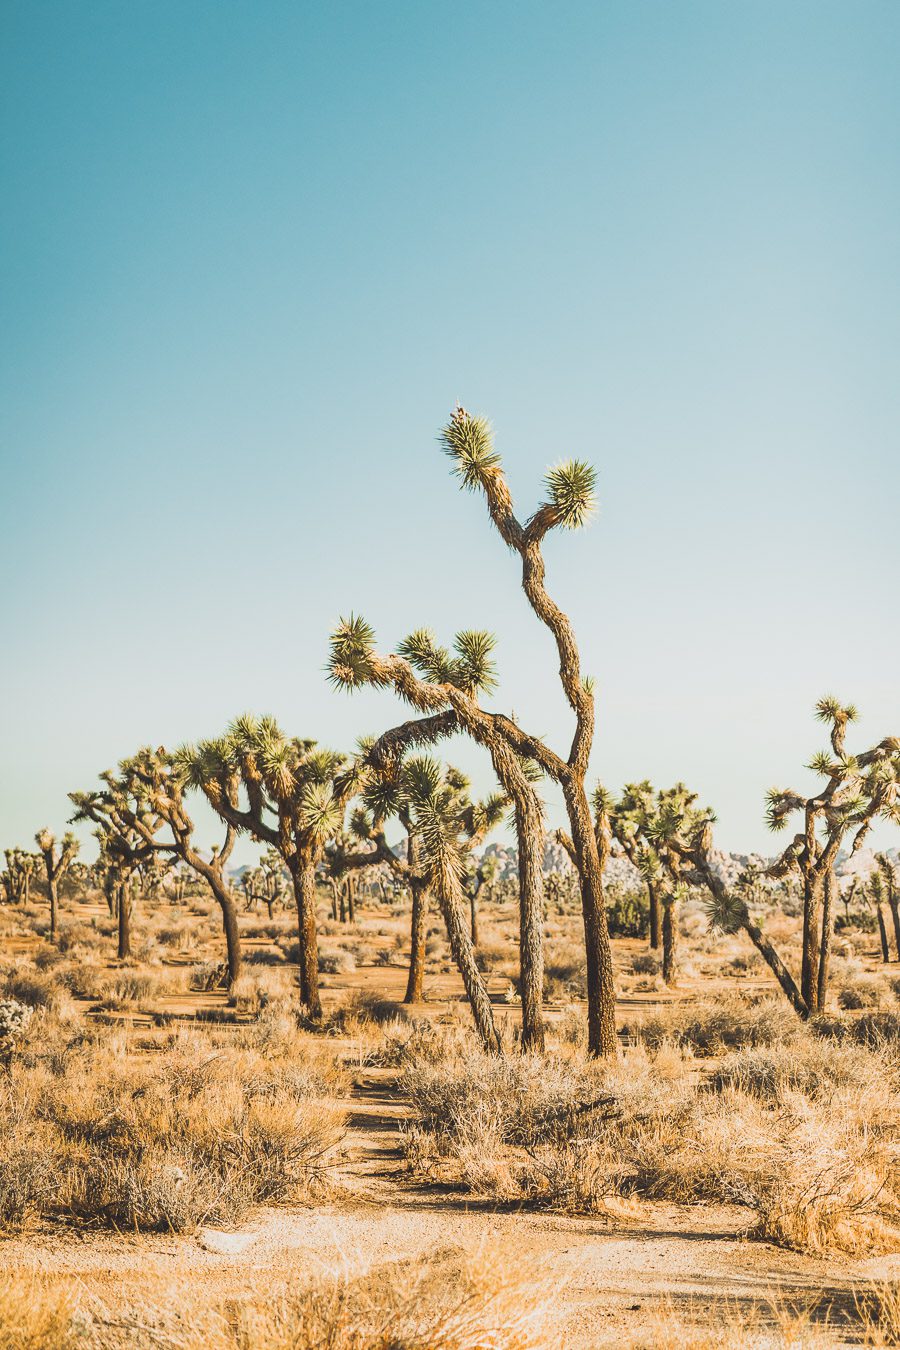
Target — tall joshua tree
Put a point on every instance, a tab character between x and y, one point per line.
570	501
446	688
283	792
857	789
57	859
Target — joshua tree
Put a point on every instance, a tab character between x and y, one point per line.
857	790
482	877
56	863
876	893
451	685
888	875
570	501
124	850
20	868
655	831
286	793
143	808
394	789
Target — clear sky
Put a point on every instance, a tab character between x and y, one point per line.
251	254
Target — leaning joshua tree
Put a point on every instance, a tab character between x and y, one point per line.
124	850
857	789
283	792
570	501
396	788
147	799
56	863
446	688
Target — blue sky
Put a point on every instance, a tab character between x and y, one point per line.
251	254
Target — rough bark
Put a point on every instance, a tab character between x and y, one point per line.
53	892
669	942
415	981
894	903
653	893
303	874
829	890
124	907
600	980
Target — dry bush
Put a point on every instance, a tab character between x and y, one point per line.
35	988
861	991
806	1136
335	961
713	1026
646	963
197	1136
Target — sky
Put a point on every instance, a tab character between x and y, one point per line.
251	254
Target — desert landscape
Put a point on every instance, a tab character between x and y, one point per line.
403	1084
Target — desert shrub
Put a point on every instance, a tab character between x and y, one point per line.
863	992
198	1141
491	954
24	984
708	1028
335	961
805	1136
646	963
873	1029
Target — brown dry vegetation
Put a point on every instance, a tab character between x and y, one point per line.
146	1097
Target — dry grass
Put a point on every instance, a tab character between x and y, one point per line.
804	1135
447	1301
198	1133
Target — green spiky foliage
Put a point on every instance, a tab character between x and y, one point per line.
855	791
57	859
656	831
283	791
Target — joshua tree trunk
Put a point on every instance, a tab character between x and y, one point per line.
53	892
653	893
303	873
813	887
225	901
124	907
334	900
825	945
351	898
670	941
894	902
600	980
530	839
450	899
473	916
417	943
882	933
775	964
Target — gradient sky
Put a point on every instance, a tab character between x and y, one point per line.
251	254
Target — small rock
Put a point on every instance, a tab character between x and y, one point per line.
225	1244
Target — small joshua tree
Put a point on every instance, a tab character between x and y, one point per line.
123	852
146	801
876	893
20	868
857	789
56	863
283	792
655	831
